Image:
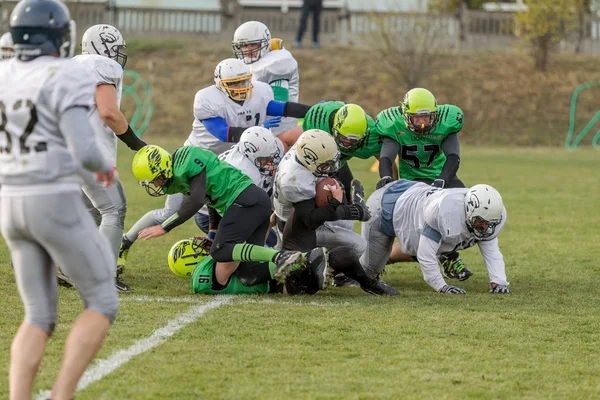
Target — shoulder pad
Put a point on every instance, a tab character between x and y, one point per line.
450	118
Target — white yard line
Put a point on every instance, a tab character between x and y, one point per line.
241	300
104	367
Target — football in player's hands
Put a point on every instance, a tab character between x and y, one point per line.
326	190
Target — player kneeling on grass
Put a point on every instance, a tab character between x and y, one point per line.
245	208
190	259
314	157
430	221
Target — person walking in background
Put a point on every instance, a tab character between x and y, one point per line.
308	6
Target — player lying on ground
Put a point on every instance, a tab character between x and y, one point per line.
222	112
270	63
245	208
429	221
257	155
314	157
47	145
424	137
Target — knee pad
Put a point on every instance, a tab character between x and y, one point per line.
340	257
222	253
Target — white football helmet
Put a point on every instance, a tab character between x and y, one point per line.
484	208
234	78
251	41
260	146
317	151
105	40
6	46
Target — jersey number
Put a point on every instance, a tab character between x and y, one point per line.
409	152
204	279
256	118
33	119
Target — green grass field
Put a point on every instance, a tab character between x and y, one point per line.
540	342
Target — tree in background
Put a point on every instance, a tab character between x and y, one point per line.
545	23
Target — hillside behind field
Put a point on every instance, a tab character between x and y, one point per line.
504	100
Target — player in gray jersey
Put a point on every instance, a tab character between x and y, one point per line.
102	47
46	145
6	46
430	221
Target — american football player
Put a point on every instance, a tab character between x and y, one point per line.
6	46
429	221
47	144
200	174
102	53
424	137
269	62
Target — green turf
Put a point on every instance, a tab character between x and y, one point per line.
540	342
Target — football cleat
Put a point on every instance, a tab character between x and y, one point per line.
454	267
288	262
122	287
62	279
378	287
341	280
123	251
317	260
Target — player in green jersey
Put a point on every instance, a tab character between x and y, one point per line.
424	137
352	129
244	207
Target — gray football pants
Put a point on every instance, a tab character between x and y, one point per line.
379	245
45	230
108	205
156	217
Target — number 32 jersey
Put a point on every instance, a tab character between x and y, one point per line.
211	102
33	96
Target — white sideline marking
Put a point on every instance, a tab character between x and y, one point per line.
104	367
151	299
194	300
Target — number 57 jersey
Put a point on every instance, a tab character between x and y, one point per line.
33	96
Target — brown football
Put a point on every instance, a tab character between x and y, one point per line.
323	195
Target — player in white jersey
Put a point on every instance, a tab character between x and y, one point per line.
270	62
257	154
6	46
47	144
101	47
303	226
222	112
429	221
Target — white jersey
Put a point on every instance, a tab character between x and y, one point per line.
279	68
211	102
293	183
429	221
106	72
34	94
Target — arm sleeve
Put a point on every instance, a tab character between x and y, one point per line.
389	151
494	262
428	259
191	204
75	126
131	139
313	217
217	127
451	148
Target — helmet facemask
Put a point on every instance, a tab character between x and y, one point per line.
347	143
238	88
250	51
482	229
414	123
328	168
158	186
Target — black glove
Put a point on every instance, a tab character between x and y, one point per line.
384	181
448	289
354	212
439	183
502	289
357	192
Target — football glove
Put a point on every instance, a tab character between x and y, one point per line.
439	183
357	192
449	289
354	212
502	289
384	181
272	122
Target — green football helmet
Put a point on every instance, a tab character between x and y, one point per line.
419	109
152	167
185	255
349	127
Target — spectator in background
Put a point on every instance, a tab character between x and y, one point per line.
308	6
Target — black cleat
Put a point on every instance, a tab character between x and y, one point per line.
454	267
122	287
288	262
62	279
341	280
379	288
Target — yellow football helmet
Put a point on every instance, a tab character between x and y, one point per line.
152	167
349	127
419	104
185	255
